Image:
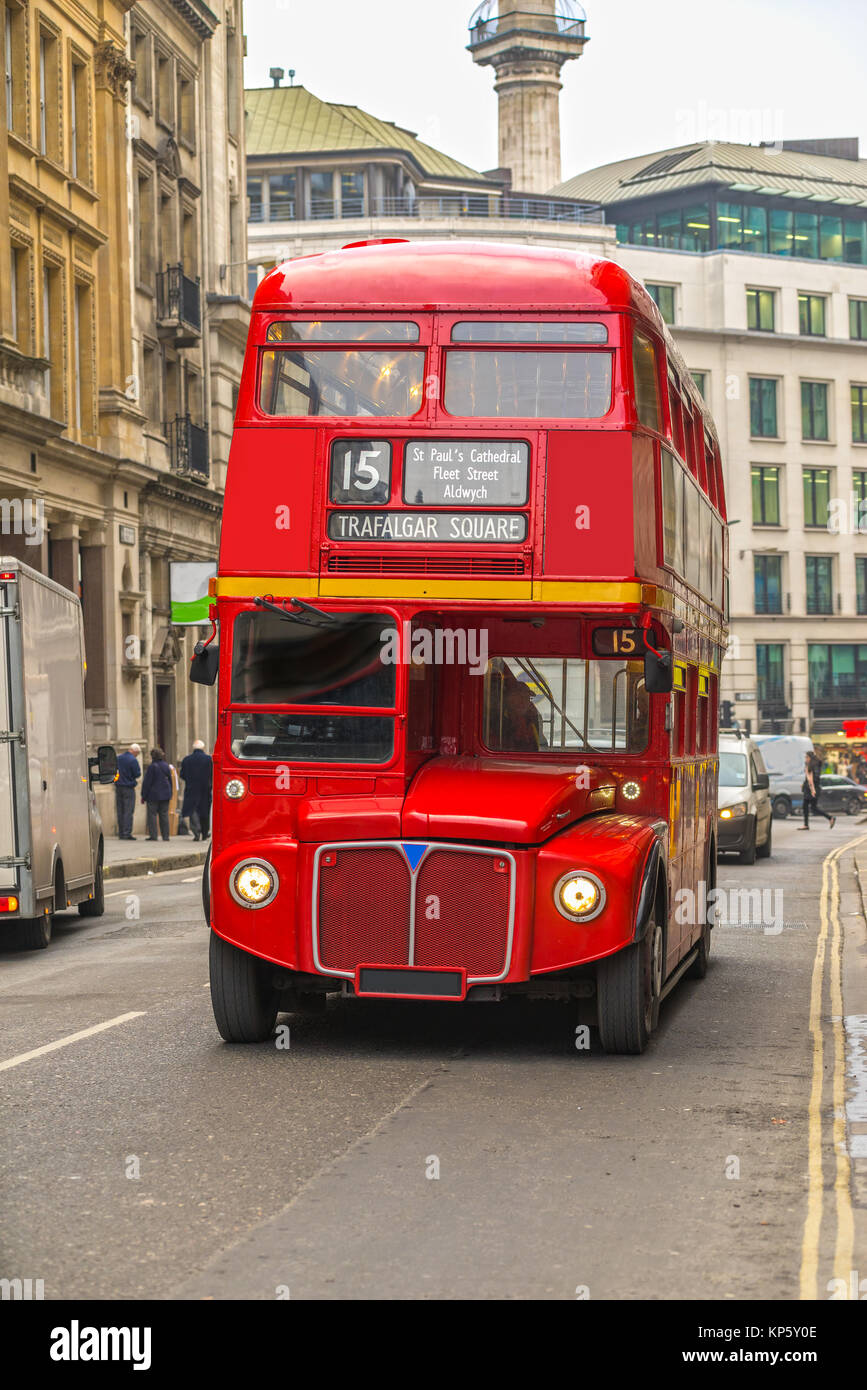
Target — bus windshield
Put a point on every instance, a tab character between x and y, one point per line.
540	705
357	382
521	384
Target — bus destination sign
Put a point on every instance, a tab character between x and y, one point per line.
457	528
466	473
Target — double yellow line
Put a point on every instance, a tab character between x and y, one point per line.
829	946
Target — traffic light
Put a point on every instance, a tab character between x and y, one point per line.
727	714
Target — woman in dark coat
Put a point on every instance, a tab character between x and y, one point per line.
156	793
197	775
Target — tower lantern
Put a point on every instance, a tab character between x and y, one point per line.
527	42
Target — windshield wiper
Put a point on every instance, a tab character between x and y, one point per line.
308	617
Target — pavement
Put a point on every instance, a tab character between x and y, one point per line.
129	859
437	1151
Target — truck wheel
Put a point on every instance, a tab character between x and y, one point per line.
244	1003
628	986
782	807
33	933
95	906
748	855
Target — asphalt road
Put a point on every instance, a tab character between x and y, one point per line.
401	1151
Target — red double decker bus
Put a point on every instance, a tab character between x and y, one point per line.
471	613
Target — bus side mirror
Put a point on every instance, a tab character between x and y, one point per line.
205	663
658	673
103	768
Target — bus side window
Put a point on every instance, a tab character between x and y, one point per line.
646	381
679	730
692	701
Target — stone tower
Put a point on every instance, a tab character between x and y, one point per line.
527	42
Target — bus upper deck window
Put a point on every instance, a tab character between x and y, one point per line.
357	382
525	331
646	381
521	384
341	331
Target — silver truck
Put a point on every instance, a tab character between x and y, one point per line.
51	843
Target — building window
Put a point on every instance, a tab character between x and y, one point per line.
151	386
858	319
52	337
190	243
234	82
760	310
861	584
20	295
49	76
768	577
81	347
859	414
820	573
255	206
140	51
187	109
855	242
838	674
79	121
168	232
281	192
663	298
165	90
681	229
322	193
766	496
700	379
763	407
769	673
9	64
814	410
811	315
817	492
145	230
352	194
859	484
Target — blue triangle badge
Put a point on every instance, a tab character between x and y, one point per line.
414	854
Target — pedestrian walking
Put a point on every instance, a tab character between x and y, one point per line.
197	773
128	774
811	789
156	793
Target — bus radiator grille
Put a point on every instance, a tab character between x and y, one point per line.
470	894
363	913
428	564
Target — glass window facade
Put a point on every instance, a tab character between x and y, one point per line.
859	414
817	492
820	583
858	319
861	583
814	410
838	674
730	224
281	189
763	407
811	315
760	310
766	496
859	484
768	577
256	208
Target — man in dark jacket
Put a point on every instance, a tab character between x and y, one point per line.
197	775
156	793
128	773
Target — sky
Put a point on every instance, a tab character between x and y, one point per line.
656	73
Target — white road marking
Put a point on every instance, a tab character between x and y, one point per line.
73	1037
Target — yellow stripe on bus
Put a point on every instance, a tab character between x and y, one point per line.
330	586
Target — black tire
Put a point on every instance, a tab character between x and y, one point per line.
95	906
628	986
698	969
853	805
764	851
748	855
206	887
244	1003
32	933
782	807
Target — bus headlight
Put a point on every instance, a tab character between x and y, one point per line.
235	789
579	895
253	884
732	812
631	790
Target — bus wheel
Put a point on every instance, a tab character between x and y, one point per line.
244	1003
628	986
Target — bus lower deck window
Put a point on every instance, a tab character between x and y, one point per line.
542	704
